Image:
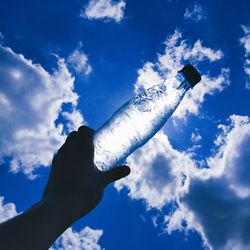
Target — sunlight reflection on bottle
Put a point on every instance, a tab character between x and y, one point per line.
138	120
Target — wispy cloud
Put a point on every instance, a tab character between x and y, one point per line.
32	100
178	52
87	239
194	13
7	210
245	41
104	9
195	137
78	61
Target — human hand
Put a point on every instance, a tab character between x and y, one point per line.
75	183
74	188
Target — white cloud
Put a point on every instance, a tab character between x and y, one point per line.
147	76
7	211
245	41
210	199
195	13
78	61
214	201
74	119
31	99
177	53
104	9
159	172
195	137
193	99
216	204
86	239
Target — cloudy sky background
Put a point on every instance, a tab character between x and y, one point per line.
63	64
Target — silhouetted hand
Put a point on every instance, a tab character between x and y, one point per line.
74	188
74	181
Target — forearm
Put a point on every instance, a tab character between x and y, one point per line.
37	228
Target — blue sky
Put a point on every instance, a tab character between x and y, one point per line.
65	63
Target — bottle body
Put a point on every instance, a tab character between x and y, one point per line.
137	121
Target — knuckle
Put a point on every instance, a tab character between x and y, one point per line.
85	130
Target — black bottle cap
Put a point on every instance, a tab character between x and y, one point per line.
191	74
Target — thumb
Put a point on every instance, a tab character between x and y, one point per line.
115	174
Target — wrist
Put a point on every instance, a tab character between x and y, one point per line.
66	210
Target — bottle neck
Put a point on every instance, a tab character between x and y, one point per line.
182	82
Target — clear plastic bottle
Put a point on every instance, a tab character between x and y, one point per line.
139	119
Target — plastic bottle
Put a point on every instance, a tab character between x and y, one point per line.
139	119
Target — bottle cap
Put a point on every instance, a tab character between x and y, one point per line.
191	74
